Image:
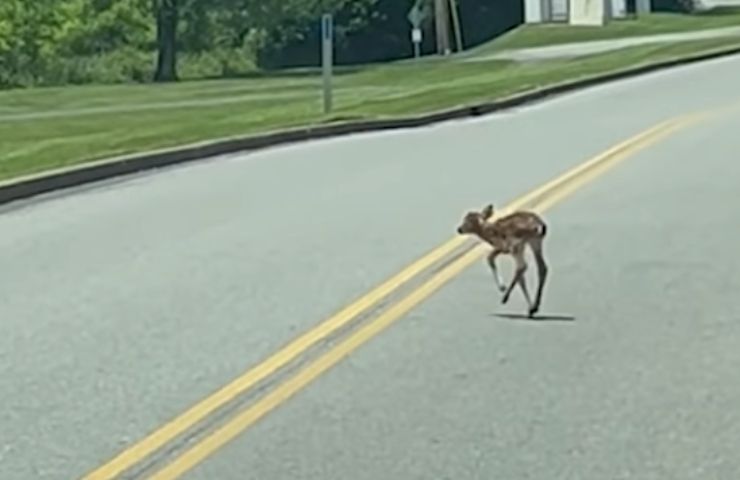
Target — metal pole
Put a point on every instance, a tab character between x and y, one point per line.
456	25
327	60
443	33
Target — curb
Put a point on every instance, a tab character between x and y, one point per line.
46	182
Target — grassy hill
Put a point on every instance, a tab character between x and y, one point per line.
49	128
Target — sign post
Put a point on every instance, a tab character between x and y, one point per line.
415	16
327	60
416	39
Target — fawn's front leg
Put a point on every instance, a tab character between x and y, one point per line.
492	263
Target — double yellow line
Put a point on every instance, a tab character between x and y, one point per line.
540	199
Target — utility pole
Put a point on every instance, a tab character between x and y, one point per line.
441	18
456	25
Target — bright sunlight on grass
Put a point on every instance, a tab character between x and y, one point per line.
48	128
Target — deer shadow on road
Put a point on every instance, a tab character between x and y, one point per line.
535	318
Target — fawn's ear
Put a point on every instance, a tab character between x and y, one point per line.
487	211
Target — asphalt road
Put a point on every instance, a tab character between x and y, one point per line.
632	374
124	304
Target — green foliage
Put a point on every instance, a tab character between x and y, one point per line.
55	42
215	63
385	32
29	32
110	25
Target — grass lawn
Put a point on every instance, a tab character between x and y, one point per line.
652	24
54	127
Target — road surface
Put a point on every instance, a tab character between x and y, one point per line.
633	376
124	304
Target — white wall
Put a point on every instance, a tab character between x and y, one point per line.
559	10
532	11
618	9
587	12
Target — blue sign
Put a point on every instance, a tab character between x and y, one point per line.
327	27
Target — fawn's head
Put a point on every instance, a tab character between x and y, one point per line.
473	221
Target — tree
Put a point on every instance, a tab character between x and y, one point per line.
167	18
108	25
265	22
30	33
296	36
385	33
54	42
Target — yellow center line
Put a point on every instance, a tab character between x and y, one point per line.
556	190
201	410
665	130
169	431
230	430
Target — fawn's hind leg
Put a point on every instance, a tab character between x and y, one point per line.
521	268
523	286
542	270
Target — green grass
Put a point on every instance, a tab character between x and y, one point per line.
35	145
652	24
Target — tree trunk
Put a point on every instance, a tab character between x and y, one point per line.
441	15
167	18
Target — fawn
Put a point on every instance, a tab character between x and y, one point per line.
509	235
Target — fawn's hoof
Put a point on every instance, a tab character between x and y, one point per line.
533	310
504	299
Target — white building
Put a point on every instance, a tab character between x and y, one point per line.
575	12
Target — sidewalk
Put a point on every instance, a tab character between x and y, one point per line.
599	46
